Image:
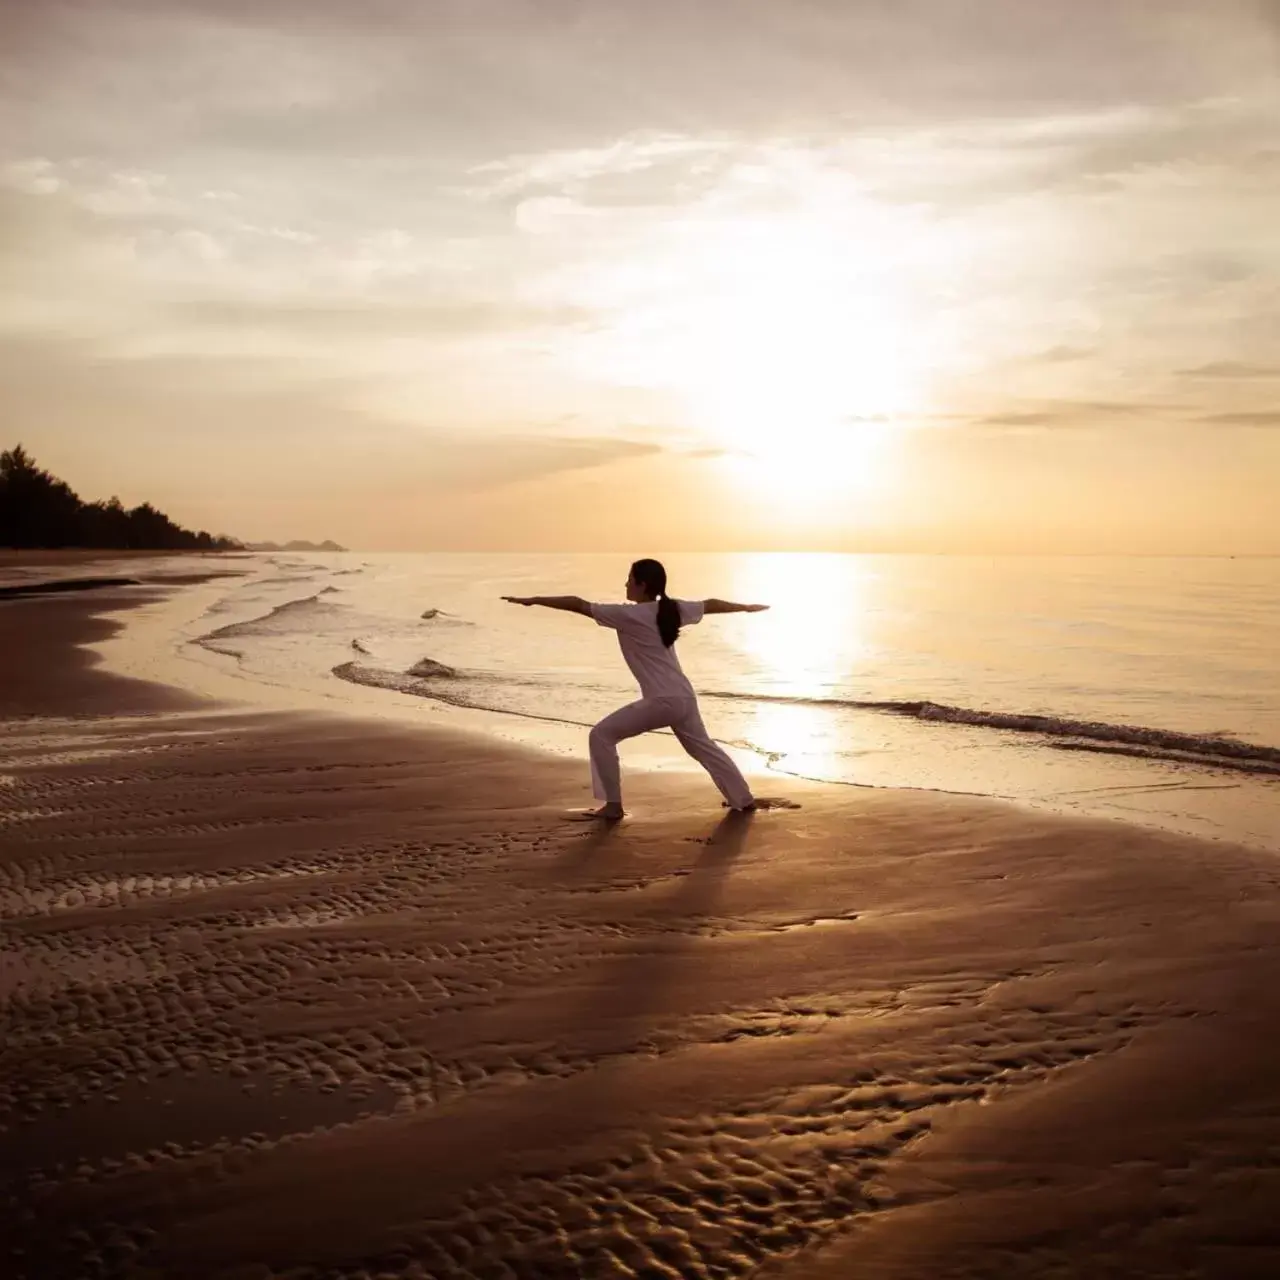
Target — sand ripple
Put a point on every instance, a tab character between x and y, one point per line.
302	999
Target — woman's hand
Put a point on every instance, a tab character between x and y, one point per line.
524	600
754	608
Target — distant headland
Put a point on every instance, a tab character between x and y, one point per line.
327	545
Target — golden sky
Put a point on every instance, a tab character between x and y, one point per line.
680	274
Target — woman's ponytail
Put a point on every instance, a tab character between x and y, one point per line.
668	620
653	577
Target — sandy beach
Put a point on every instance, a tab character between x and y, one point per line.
305	996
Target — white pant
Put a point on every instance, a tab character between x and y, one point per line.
683	717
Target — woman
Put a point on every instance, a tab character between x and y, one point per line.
647	628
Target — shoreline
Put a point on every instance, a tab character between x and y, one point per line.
50	639
144	645
304	995
1188	797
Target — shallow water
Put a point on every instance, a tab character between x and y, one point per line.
1143	688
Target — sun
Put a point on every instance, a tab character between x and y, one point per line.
786	334
795	354
810	474
783	319
785	340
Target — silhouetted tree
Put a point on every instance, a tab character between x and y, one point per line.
36	508
39	510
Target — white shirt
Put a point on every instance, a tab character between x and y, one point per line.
655	667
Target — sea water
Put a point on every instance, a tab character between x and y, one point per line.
1142	688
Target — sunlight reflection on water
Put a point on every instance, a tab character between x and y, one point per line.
816	633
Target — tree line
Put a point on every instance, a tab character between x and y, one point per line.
37	510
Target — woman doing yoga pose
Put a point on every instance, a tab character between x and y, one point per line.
647	628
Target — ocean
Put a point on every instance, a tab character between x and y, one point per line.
1146	689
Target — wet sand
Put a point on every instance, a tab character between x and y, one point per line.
294	996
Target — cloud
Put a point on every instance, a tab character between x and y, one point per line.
352	226
497	460
1169	142
1112	407
371	319
576	168
1231	369
465	78
1086	152
415	321
33	175
214	428
1064	354
1073	413
1254	418
1032	419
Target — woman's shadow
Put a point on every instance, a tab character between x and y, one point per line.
586	846
633	985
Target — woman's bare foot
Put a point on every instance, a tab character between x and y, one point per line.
605	813
764	802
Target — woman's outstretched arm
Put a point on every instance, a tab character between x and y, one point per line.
570	604
728	606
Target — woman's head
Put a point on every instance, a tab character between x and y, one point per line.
648	581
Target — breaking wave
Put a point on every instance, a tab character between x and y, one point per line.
268	623
490	691
430	679
1066	734
410	681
